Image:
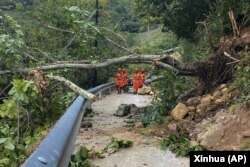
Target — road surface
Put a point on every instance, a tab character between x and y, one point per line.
145	151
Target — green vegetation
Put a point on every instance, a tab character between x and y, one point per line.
152	114
242	75
246	145
117	144
81	157
35	33
179	145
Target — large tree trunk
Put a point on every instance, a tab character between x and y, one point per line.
216	70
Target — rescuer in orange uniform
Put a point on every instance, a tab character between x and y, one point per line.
142	77
125	78
119	82
136	80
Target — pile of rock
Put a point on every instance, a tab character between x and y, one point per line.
200	104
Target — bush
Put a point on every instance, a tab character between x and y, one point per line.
179	145
152	114
241	77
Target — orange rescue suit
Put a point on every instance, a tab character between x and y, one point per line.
119	80
136	81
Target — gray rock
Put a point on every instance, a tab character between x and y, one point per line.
133	109
213	136
129	120
126	109
123	110
86	125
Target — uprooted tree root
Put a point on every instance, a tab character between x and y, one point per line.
218	69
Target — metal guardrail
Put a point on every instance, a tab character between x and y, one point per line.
56	149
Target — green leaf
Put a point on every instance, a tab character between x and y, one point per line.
4	161
2	140
83	153
9	145
74	9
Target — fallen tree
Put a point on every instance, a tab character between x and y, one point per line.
216	70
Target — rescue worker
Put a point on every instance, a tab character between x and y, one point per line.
142	77
125	79
136	80
119	80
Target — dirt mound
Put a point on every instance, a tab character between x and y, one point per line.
232	131
214	121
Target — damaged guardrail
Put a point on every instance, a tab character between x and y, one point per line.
56	149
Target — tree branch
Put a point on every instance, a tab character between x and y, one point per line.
162	61
153	79
118	45
58	29
73	87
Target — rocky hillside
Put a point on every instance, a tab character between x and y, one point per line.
214	120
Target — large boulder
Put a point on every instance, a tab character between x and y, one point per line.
204	103
179	112
212	136
126	109
123	110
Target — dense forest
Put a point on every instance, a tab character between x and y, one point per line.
43	40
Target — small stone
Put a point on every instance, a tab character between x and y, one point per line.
129	120
191	109
217	101
193	101
86	125
172	132
139	125
225	90
222	86
217	94
204	103
198	110
172	126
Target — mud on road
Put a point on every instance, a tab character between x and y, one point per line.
145	151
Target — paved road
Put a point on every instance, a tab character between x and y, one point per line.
145	151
